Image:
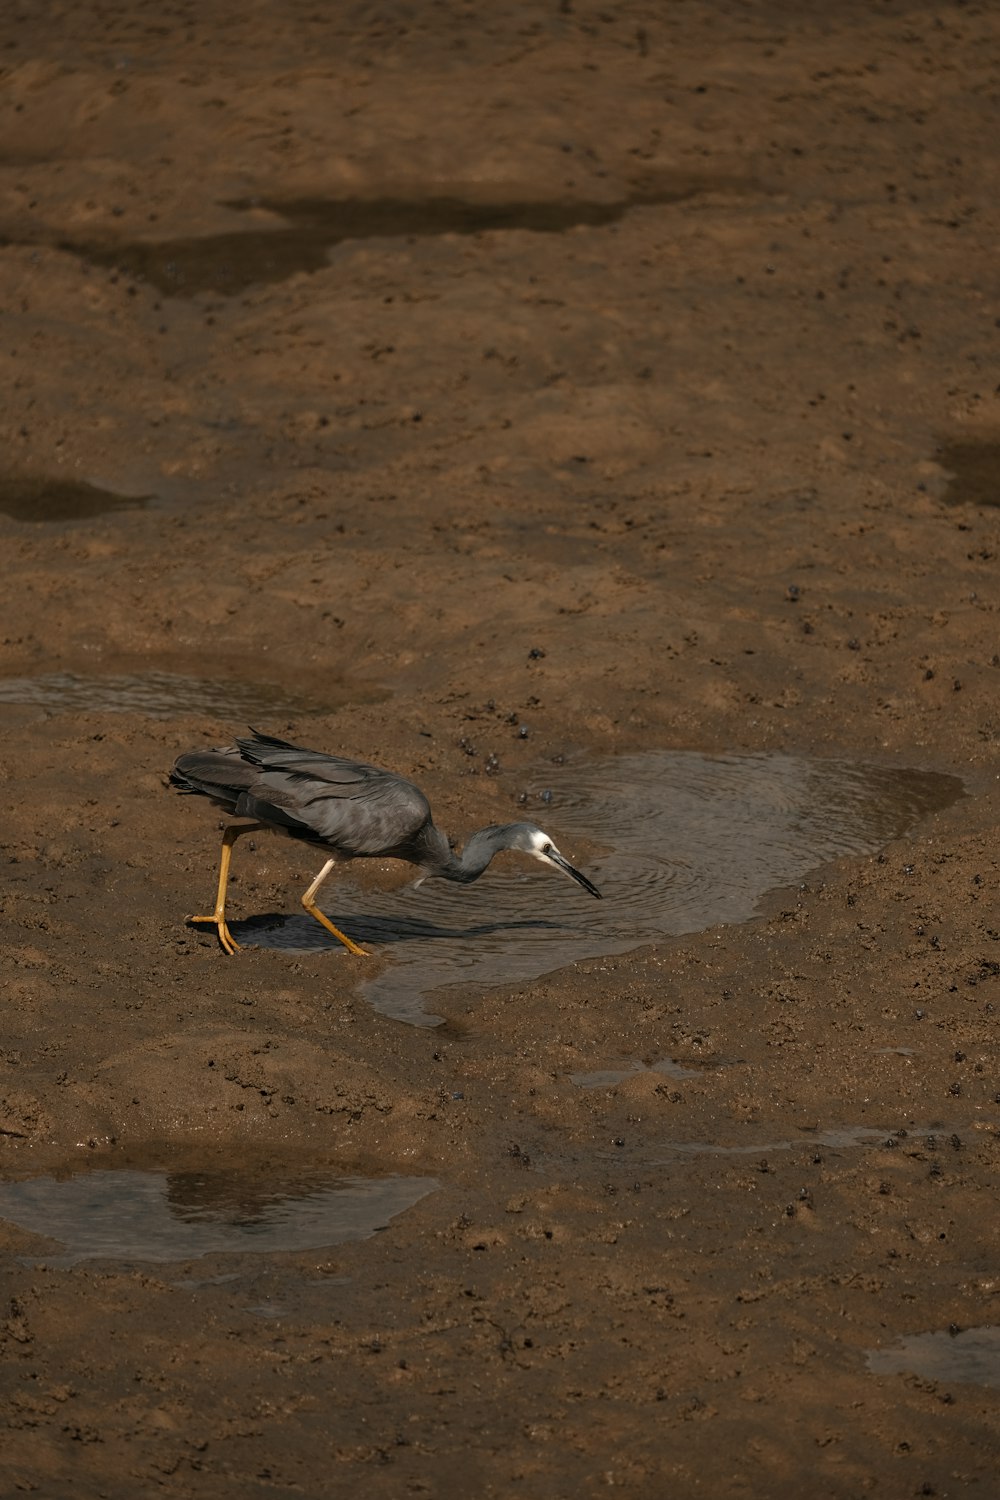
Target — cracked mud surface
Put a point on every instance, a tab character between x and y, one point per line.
491	392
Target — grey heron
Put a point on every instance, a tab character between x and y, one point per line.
345	807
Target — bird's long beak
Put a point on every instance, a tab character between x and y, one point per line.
556	859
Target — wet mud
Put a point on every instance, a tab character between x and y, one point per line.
590	415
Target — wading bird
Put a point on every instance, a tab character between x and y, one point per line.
349	809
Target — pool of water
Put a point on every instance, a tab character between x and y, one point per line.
131	1213
678	842
835	1138
602	1078
156	694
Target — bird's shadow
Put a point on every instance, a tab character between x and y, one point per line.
304	933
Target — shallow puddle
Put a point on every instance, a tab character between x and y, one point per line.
607	1077
158	695
971	1355
30	499
229	263
842	1137
127	1214
691	841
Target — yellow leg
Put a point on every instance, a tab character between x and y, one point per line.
232	833
308	901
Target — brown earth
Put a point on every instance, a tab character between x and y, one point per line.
660	340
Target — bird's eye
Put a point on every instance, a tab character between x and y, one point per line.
546	848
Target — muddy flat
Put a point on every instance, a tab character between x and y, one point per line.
590	414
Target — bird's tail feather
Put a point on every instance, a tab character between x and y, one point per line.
219	774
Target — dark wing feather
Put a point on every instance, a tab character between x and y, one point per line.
277	755
345	805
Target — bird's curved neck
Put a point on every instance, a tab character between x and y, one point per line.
479	850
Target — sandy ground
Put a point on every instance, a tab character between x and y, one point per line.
626	375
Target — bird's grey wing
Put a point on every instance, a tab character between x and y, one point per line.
272	754
353	807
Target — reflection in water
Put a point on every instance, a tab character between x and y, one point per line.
156	695
127	1214
691	841
972	1355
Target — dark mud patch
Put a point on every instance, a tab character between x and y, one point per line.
691	841
974	470
229	263
40	500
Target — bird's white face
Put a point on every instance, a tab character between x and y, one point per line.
538	844
542	847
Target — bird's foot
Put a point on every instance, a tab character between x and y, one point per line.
342	937
227	942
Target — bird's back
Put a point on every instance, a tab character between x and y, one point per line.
347	806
